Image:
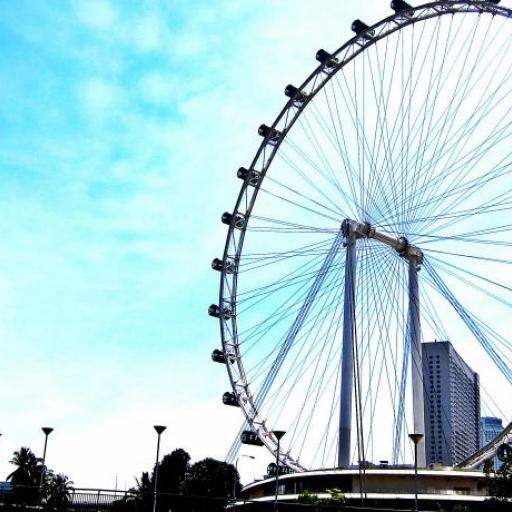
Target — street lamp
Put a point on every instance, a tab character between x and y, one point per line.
159	429
47	431
416	438
236	472
278	434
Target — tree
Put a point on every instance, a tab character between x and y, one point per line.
26	478
144	485
214	479
203	487
56	489
210	477
139	498
172	472
499	483
28	471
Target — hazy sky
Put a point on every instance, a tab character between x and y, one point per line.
122	125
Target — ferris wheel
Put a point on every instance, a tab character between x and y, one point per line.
374	218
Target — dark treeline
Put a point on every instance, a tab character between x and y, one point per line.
33	483
181	486
205	485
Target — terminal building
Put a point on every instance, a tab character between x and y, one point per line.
452	405
453	432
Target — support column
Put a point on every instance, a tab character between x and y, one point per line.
347	356
414	334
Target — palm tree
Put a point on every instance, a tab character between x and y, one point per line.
28	471
56	489
26	477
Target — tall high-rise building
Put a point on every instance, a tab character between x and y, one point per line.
452	405
490	428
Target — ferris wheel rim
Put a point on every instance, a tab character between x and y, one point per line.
236	236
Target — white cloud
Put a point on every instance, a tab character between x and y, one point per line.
148	33
158	88
100	98
99	14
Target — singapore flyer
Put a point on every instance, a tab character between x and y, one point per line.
374	221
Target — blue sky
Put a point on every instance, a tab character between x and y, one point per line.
122	125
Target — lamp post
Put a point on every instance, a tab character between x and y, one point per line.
278	434
236	472
47	431
159	429
416	438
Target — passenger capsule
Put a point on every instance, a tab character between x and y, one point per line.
214	310
228	266
242	173
295	94
269	133
229	398
217	264
272	469
329	62
218	356
400	5
264	130
254	176
227	218
248	437
322	56
358	26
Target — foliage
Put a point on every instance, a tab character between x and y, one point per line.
139	498
28	470
183	487
144	485
26	478
308	498
28	486
336	496
213	479
172	472
56	489
499	484
210	477
460	508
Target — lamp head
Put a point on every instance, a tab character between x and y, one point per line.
415	438
159	428
47	430
278	434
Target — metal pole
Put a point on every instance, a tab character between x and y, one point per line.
414	333
416	438
47	431
234	482
416	477
278	434
159	429
156	471
236	473
347	357
277	474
